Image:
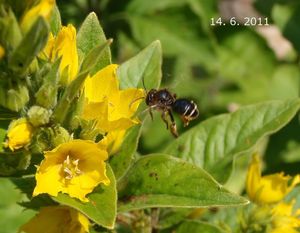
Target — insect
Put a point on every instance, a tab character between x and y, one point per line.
166	102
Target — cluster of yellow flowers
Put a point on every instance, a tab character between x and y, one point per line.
268	193
76	166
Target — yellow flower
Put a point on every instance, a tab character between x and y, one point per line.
55	219
43	9
2	52
19	134
113	109
284	219
64	46
75	167
270	188
115	140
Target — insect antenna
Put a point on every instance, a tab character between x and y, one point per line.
143	81
143	97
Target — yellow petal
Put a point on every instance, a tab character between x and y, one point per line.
97	111
273	188
102	144
283	229
2	52
79	219
115	140
104	84
127	104
111	108
75	167
283	217
47	53
43	9
19	134
66	48
54	219
63	46
270	188
48	181
283	209
253	177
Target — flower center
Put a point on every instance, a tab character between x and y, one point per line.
70	168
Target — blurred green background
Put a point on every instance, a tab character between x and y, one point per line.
219	67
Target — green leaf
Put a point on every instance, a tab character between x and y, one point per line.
243	79
121	161
165	181
33	42
169	217
146	7
180	35
198	227
146	65
46	95
55	21
285	82
93	56
10	34
205	10
287	17
12	215
213	144
62	109
102	207
89	36
2	137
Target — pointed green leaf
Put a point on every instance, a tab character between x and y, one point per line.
89	36
214	143
93	56
145	65
72	90
55	21
198	227
46	95
10	34
121	161
33	42
165	181
102	207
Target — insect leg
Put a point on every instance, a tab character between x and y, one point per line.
173	125
164	117
151	114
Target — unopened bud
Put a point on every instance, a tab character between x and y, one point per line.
16	98
46	96
19	134
60	135
38	115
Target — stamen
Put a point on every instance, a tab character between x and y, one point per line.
70	168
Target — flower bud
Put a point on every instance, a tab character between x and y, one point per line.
60	135
46	96
38	115
14	99
19	134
